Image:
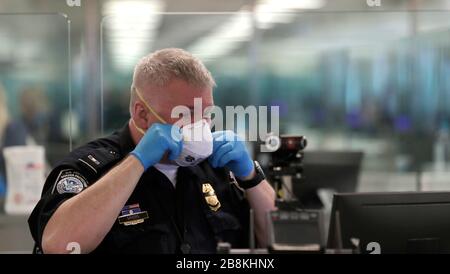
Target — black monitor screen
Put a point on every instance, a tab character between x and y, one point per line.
409	222
338	171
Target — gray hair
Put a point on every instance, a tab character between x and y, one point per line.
160	67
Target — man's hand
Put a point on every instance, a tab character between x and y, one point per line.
230	151
156	141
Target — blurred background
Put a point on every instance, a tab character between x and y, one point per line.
349	75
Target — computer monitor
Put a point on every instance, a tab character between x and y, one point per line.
336	170
408	222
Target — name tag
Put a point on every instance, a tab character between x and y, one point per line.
132	215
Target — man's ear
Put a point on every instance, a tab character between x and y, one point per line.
140	116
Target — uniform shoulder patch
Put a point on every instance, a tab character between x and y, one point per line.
69	181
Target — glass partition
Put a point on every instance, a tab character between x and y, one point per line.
221	41
371	81
35	115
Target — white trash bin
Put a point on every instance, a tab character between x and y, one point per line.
25	177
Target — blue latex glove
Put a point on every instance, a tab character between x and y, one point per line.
230	151
156	141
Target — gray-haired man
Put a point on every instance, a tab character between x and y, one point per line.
149	188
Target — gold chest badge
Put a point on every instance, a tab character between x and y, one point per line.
210	197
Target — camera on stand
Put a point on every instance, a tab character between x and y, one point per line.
292	228
286	166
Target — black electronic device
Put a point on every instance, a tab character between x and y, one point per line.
287	159
297	231
334	170
407	222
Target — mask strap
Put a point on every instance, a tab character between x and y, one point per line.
149	107
138	128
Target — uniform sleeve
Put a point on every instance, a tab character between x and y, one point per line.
69	178
62	184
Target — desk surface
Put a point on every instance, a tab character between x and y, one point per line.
15	236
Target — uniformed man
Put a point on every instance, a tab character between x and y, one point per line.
147	188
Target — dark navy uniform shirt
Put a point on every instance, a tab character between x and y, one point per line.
205	207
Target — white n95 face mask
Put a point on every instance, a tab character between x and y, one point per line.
197	139
197	144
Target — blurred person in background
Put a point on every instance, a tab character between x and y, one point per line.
34	108
12	133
